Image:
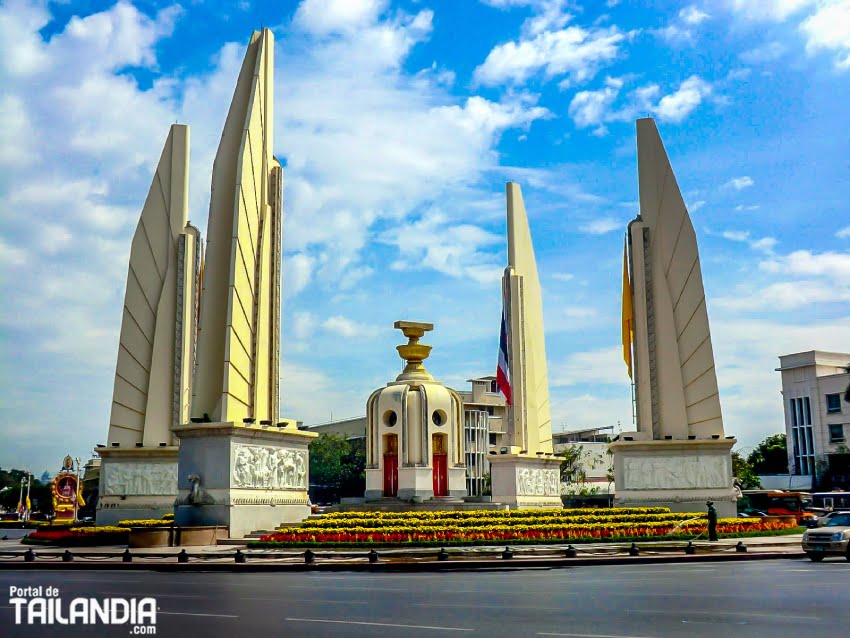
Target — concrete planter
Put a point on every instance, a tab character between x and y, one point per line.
173	536
151	537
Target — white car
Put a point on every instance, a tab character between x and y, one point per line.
831	539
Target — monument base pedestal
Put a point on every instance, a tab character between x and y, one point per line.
416	484
521	481
679	474
247	478
136	483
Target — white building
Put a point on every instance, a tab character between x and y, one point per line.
817	419
485	417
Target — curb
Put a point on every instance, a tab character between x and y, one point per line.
448	565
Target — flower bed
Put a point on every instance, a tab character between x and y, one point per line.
516	526
76	536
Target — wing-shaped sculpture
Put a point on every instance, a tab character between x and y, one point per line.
240	300
531	423
675	376
153	372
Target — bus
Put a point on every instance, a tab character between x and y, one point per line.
779	503
835	500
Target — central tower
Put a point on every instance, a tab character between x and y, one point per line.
414	431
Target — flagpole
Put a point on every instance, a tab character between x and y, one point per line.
21	501
27	509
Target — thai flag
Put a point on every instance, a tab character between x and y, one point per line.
503	377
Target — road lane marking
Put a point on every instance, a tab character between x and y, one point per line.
545	633
377	624
186	613
745	614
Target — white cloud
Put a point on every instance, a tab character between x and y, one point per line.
832	265
596	108
345	327
591	108
768	10
767	52
693	15
763	244
681	30
11	255
602	366
843	233
806	279
574	51
458	250
563	276
601	226
297	273
696	205
678	105
739	183
829	29
321	17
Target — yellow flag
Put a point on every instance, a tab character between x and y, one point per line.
80	501
29	505
628	314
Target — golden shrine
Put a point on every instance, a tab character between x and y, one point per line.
65	489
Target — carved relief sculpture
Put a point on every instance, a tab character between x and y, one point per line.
259	467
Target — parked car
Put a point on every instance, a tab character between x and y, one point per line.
823	520
830	540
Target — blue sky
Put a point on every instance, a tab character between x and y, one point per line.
398	124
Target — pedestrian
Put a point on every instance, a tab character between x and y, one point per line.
712	521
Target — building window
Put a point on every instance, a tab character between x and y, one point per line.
836	433
802	439
492	439
490	410
493	387
833	403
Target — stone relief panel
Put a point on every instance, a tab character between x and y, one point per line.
676	472
139	479
265	467
538	482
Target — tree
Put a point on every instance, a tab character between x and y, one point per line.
574	468
743	471
40	494
337	466
770	456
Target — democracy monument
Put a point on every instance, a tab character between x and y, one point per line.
195	428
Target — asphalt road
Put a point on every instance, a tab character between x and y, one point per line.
763	598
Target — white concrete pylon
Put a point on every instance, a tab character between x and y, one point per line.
153	371
239	339
530	422
676	383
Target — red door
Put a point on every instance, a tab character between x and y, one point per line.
441	475
440	463
390	475
390	465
